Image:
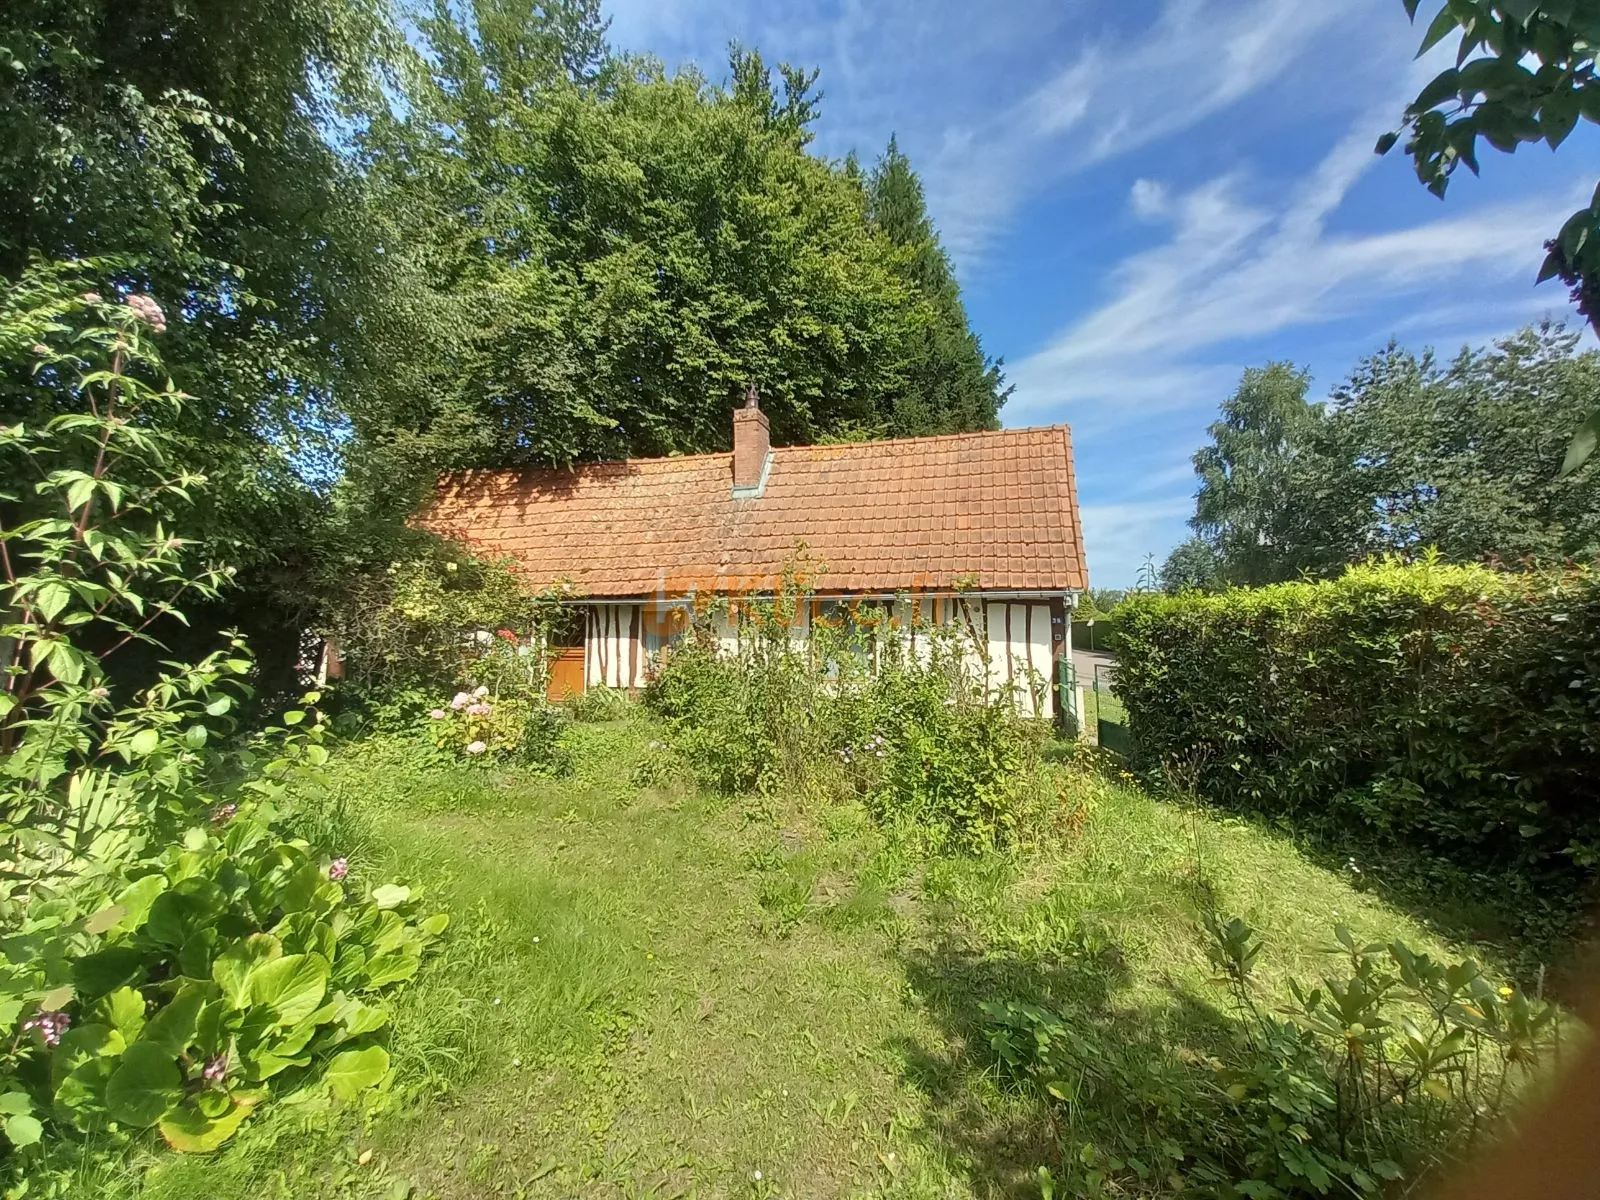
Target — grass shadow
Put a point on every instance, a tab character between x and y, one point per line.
1149	1065
999	1134
1524	926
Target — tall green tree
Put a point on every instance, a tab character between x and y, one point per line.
952	386
1408	454
1192	565
188	151
608	256
1257	475
1464	457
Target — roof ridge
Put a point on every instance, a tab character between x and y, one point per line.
920	439
923	439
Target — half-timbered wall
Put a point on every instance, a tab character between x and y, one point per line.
1008	643
1020	657
615	646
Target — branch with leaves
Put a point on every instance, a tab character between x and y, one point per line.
1524	73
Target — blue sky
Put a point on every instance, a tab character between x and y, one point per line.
1142	199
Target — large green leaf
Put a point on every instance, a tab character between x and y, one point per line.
104	971
355	1018
83	1042
23	1129
235	966
352	1071
435	925
51	599
190	906
136	899
394	967
293	986
390	895
145	1084
1583	444
190	1131
80	1092
264	1064
198	954
173	1028
301	890
303	933
123	1010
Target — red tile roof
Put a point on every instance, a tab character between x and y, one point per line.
996	511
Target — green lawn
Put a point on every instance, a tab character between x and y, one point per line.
652	992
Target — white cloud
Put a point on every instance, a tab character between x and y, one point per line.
1200	57
985	100
1149	199
1234	270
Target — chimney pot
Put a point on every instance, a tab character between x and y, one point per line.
752	442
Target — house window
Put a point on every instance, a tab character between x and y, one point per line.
663	624
566	631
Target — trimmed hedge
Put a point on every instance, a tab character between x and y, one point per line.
1452	708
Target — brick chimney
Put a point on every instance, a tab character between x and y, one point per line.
752	444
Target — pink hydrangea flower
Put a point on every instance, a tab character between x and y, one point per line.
460	700
338	868
480	693
478	710
437	714
477	747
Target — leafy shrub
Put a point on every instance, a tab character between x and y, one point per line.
167	950
599	704
1453	709
475	726
479	727
661	766
1389	1068
544	739
169	991
964	771
443	617
715	708
917	738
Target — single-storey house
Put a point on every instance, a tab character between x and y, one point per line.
980	529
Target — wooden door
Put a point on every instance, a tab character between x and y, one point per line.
566	673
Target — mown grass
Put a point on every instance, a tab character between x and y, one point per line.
647	991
